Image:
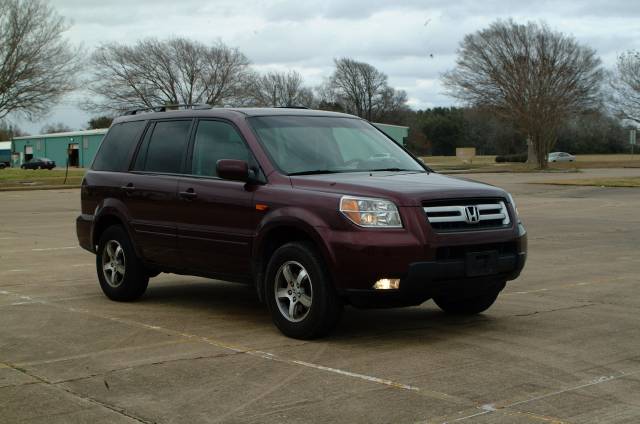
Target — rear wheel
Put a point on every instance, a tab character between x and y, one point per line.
121	274
467	306
299	294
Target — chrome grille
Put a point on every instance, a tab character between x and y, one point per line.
484	214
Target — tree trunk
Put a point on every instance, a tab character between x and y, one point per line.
541	151
532	157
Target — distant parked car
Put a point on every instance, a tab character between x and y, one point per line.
39	163
561	157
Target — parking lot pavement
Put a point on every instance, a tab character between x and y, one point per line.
562	344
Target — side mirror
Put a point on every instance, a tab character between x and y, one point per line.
231	169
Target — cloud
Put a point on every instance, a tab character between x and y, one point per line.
412	41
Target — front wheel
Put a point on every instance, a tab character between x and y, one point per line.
300	296
467	306
121	274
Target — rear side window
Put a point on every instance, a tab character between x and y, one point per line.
165	149
216	140
117	146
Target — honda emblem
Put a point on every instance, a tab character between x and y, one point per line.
471	215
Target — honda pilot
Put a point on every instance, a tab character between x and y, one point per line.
315	209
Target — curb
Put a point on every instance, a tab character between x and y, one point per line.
42	187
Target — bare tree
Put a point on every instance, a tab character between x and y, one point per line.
174	71
278	89
529	74
37	65
362	90
625	86
58	127
99	122
391	106
8	131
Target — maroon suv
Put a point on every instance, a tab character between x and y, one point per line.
315	209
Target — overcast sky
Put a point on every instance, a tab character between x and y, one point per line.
412	41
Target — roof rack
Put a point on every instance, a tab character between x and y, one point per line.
163	108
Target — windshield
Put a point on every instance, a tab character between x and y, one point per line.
313	145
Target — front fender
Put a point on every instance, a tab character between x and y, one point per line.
303	220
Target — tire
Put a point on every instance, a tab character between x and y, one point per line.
125	279
321	308
468	306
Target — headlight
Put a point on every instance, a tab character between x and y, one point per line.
513	203
367	212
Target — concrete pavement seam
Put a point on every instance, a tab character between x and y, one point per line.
80	396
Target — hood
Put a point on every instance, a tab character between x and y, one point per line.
404	189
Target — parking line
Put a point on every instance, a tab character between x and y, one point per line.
44	249
595	381
270	356
239	349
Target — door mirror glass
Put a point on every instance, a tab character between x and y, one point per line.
232	169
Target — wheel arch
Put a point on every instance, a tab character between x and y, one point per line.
277	234
110	214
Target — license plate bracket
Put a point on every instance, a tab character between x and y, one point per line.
479	264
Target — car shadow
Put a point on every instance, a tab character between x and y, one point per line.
238	302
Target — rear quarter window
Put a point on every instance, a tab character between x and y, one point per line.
117	146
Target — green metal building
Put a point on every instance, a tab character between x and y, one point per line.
77	147
397	132
5	153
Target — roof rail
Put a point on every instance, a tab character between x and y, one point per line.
292	107
164	108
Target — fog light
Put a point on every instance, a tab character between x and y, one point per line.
387	284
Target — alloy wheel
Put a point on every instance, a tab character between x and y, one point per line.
113	263
293	291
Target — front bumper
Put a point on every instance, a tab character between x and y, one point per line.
437	267
425	280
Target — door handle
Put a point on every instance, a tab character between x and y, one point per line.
189	194
129	188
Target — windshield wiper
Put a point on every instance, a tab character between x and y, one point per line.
315	171
394	170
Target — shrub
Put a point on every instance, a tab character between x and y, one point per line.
518	157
